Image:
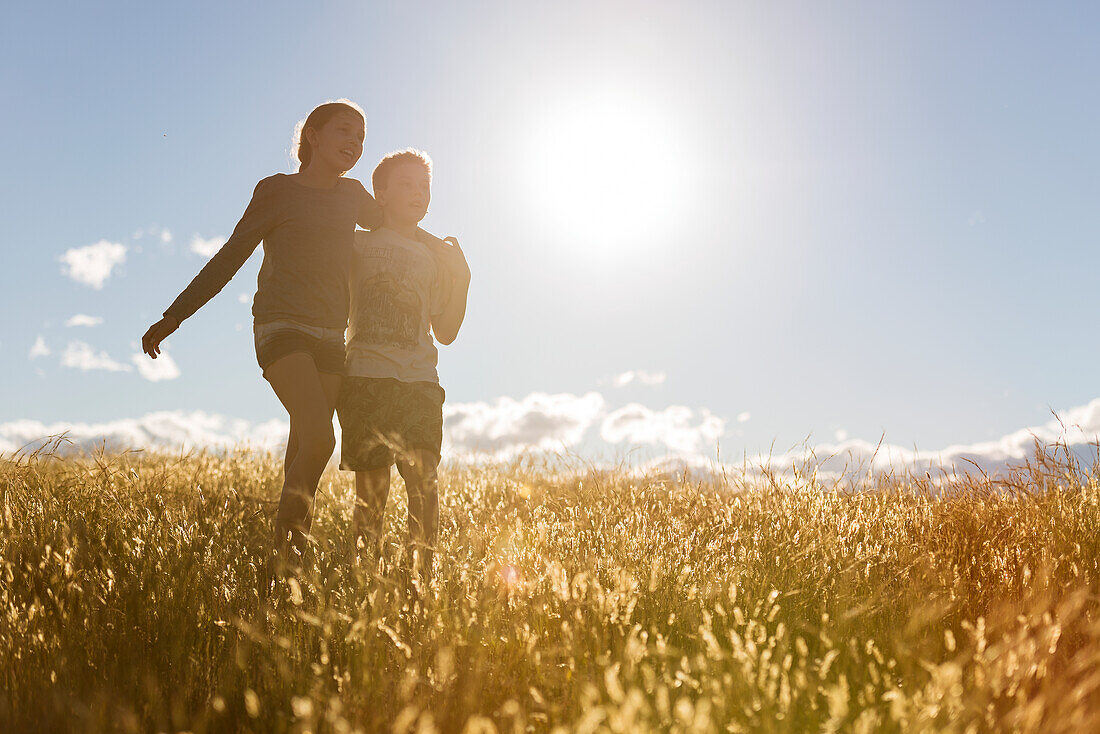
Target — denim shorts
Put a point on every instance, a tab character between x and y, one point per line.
277	339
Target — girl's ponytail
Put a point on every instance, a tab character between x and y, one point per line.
304	149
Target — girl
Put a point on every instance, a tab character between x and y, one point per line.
307	223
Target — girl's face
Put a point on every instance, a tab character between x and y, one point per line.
339	142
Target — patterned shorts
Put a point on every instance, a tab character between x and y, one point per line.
382	418
277	339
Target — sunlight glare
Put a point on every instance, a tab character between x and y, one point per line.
606	172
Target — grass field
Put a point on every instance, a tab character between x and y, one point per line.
604	602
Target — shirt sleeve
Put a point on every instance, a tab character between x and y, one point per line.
250	230
370	213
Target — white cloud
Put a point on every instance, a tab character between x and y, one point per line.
163	430
92	265
639	376
206	247
503	428
676	427
81	356
244	298
507	427
164	235
39	349
744	417
155	370
482	430
82	319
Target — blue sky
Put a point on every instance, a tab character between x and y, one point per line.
831	221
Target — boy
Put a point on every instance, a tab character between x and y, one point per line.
391	404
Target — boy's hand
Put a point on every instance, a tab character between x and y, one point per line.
454	260
158	332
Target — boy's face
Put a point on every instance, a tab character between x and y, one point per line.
407	193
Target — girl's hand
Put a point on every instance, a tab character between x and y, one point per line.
158	332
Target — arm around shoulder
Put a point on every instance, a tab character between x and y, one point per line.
370	213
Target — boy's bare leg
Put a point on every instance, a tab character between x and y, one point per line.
418	469
371	490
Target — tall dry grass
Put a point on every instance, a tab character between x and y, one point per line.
604	602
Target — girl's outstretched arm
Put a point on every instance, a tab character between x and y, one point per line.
225	263
250	230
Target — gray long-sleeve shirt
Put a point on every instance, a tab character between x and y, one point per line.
308	235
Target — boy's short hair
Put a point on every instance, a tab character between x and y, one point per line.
381	173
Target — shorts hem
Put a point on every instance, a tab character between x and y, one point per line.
359	467
328	357
371	466
323	369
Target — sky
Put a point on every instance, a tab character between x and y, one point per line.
694	226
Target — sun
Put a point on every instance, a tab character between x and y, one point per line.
605	172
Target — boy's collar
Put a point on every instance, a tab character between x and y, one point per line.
402	235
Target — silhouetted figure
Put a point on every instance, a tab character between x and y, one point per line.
307	222
391	403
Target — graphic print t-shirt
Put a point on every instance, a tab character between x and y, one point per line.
396	287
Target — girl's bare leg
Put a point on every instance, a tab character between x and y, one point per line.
309	398
291	452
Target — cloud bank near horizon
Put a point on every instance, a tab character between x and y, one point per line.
1078	428
567	424
164	430
507	427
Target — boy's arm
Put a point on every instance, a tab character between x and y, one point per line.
429	239
456	272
